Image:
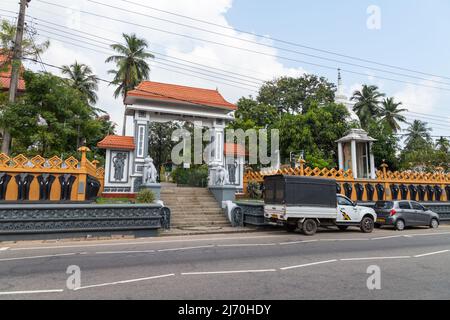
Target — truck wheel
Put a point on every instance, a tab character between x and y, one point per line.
309	227
342	228
367	225
291	227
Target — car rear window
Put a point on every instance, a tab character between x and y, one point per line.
384	205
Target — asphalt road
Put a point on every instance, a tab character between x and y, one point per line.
414	264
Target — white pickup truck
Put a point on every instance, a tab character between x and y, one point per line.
306	203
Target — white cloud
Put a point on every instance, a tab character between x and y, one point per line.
264	67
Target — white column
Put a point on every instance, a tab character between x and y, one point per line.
373	173
340	156
354	160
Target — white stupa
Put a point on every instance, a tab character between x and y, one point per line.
341	98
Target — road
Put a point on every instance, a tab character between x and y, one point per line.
414	264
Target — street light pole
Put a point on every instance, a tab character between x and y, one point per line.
15	68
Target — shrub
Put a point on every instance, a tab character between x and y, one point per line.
145	196
194	177
254	190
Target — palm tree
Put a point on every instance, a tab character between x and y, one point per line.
367	104
442	144
390	113
82	79
418	135
131	64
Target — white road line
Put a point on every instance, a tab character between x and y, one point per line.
332	240
30	292
38	257
125	281
308	264
428	234
4	248
375	258
226	272
185	248
247	245
388	237
124	252
143	242
430	253
296	242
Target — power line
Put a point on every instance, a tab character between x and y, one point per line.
248	50
285	42
263	44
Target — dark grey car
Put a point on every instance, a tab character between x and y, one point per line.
404	213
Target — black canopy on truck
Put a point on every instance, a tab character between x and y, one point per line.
300	191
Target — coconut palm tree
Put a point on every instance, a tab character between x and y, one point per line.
418	135
367	104
82	79
391	114
442	144
131	64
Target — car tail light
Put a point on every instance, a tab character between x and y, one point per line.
393	212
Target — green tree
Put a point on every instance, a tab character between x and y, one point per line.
82	79
131	64
386	146
418	135
296	95
390	113
160	142
367	104
259	114
51	118
443	145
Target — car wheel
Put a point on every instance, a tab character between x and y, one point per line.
367	225
342	228
400	225
434	224
309	227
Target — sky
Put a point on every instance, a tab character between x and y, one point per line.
411	35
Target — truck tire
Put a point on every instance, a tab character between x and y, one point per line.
342	228
309	227
367	225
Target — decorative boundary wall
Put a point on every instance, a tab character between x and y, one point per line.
51	179
63	218
387	185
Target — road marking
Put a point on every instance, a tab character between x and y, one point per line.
4	248
31	292
297	242
375	258
247	245
125	281
428	234
308	264
388	237
124	252
431	253
144	242
226	272
38	257
354	239
185	248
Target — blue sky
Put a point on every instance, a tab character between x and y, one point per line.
413	34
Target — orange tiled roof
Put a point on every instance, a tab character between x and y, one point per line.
117	142
177	93
5	75
233	149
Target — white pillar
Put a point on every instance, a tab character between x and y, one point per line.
373	173
354	160
340	156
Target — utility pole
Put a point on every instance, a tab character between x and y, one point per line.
15	68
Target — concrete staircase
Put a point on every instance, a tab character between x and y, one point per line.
192	207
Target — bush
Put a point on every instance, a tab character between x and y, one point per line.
145	196
194	177
254	190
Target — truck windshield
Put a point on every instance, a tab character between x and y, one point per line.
384	205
